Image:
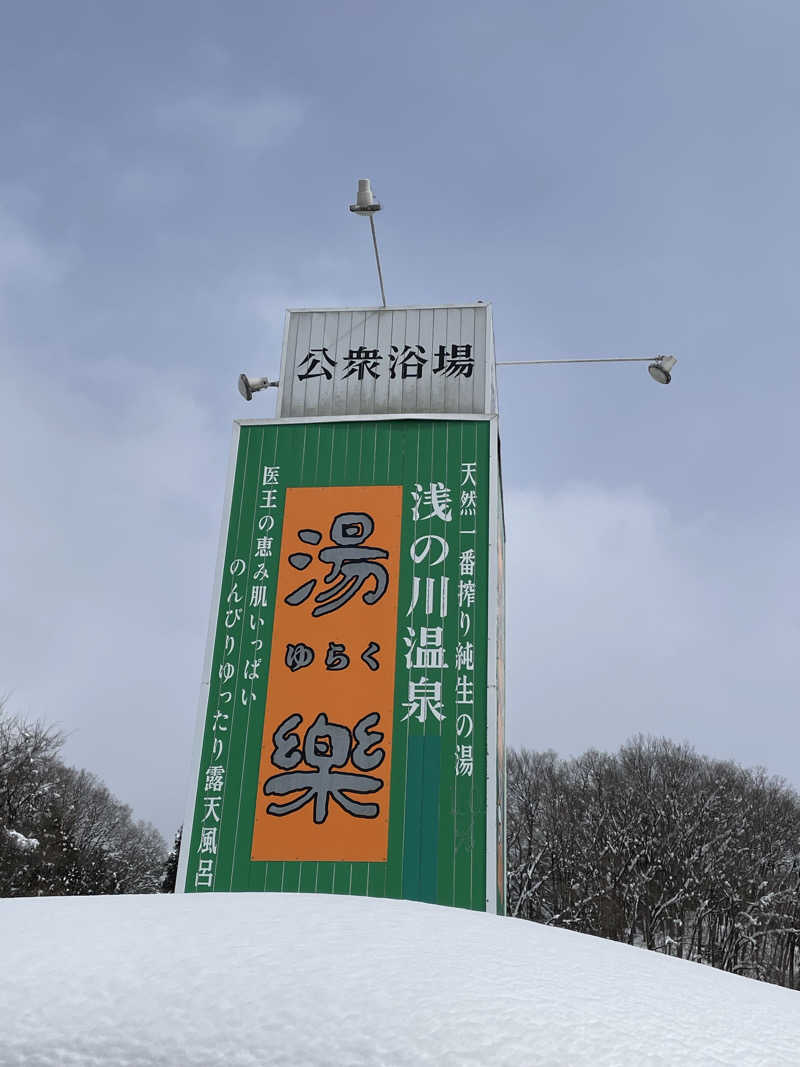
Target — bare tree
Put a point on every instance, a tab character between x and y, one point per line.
61	830
662	848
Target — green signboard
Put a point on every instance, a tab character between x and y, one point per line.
350	739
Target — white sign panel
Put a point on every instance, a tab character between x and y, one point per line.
378	361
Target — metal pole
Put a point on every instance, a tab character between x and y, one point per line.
377	258
605	359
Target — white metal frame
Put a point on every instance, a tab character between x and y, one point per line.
484	305
398	307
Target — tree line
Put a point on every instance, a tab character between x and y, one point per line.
655	846
61	830
659	847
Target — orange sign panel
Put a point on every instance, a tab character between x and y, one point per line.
326	751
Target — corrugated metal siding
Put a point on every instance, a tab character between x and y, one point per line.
341	331
437	820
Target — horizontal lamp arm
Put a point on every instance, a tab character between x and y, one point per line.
604	359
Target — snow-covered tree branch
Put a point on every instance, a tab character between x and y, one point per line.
662	848
61	830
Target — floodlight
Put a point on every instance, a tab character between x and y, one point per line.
365	203
248	386
660	369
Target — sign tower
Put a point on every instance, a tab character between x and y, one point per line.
351	733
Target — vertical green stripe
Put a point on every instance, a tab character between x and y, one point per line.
422	818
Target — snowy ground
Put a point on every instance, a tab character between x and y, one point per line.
300	981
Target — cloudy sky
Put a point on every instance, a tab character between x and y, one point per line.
617	178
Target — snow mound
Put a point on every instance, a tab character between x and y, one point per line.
253	979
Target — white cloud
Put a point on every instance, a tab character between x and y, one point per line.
252	124
623	618
114	486
149	186
23	257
